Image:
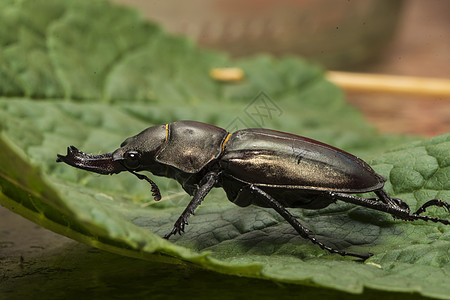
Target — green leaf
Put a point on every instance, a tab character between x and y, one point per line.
91	74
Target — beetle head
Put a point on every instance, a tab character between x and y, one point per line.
136	153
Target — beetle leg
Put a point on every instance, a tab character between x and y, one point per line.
206	185
433	202
391	202
393	207
397	202
402	204
304	233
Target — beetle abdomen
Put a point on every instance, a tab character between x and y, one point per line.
276	159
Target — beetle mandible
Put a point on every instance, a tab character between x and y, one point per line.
257	166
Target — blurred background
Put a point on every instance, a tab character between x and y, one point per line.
398	37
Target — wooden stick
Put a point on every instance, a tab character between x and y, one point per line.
227	74
390	83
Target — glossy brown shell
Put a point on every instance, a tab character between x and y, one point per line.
191	145
276	159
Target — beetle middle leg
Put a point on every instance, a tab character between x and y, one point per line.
206	185
304	233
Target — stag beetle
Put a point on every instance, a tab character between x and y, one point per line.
256	166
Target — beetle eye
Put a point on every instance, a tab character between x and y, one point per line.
132	159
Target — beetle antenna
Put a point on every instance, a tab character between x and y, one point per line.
155	190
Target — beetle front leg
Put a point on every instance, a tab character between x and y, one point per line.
304	233
206	185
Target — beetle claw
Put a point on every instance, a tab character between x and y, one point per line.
178	228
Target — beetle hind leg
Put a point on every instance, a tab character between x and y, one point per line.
433	202
304	233
402	204
393	206
416	215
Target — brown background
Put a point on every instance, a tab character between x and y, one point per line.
420	44
421	47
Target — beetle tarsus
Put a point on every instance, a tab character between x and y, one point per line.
304	232
414	217
206	185
177	228
433	202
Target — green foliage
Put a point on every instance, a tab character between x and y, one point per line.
91	74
